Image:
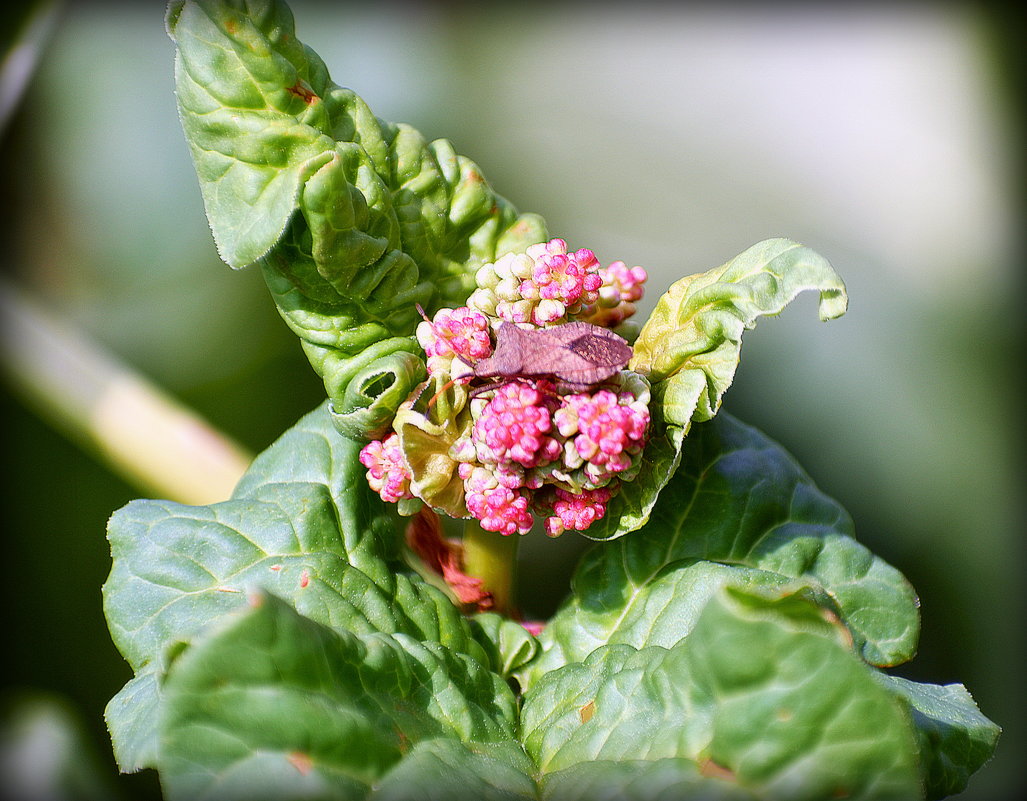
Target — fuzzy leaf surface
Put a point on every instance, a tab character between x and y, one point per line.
764	693
302	524
354	220
738	508
955	739
270	705
639	780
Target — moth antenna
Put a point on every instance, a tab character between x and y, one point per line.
474	393
550	390
446	386
421	311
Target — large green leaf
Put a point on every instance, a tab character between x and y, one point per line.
736	499
765	692
689	349
665	779
302	524
445	768
689	346
270	705
955	738
354	220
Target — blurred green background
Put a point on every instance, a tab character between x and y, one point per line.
887	138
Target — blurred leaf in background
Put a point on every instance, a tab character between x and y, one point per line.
671	137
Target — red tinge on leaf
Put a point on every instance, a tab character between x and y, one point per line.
301	761
424	536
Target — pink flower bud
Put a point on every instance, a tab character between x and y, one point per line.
577	511
621	288
461	333
387	472
496	507
514	426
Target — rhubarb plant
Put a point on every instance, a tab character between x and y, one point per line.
327	633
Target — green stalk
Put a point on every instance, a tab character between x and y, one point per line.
492	557
143	434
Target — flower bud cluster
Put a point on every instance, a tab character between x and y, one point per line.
606	431
542	286
520	446
622	287
576	511
454	333
387	470
497	502
531	440
515	424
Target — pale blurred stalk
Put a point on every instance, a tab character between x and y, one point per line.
492	557
142	433
38	21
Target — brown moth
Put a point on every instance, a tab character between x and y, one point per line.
575	355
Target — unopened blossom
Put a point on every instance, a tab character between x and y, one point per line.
515	425
520	445
387	472
461	333
576	511
541	286
496	507
622	287
571	278
606	429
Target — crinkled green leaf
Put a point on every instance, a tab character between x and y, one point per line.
739	499
354	220
689	346
131	717
764	692
302	524
955	738
270	705
508	644
448	769
689	350
639	780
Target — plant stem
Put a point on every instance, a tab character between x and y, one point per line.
142	433
492	557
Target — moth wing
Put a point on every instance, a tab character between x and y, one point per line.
578	353
544	352
601	347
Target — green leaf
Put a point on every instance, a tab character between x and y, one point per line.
508	644
354	220
302	524
271	705
764	692
738	499
448	769
955	739
639	780
689	350
131	717
689	347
